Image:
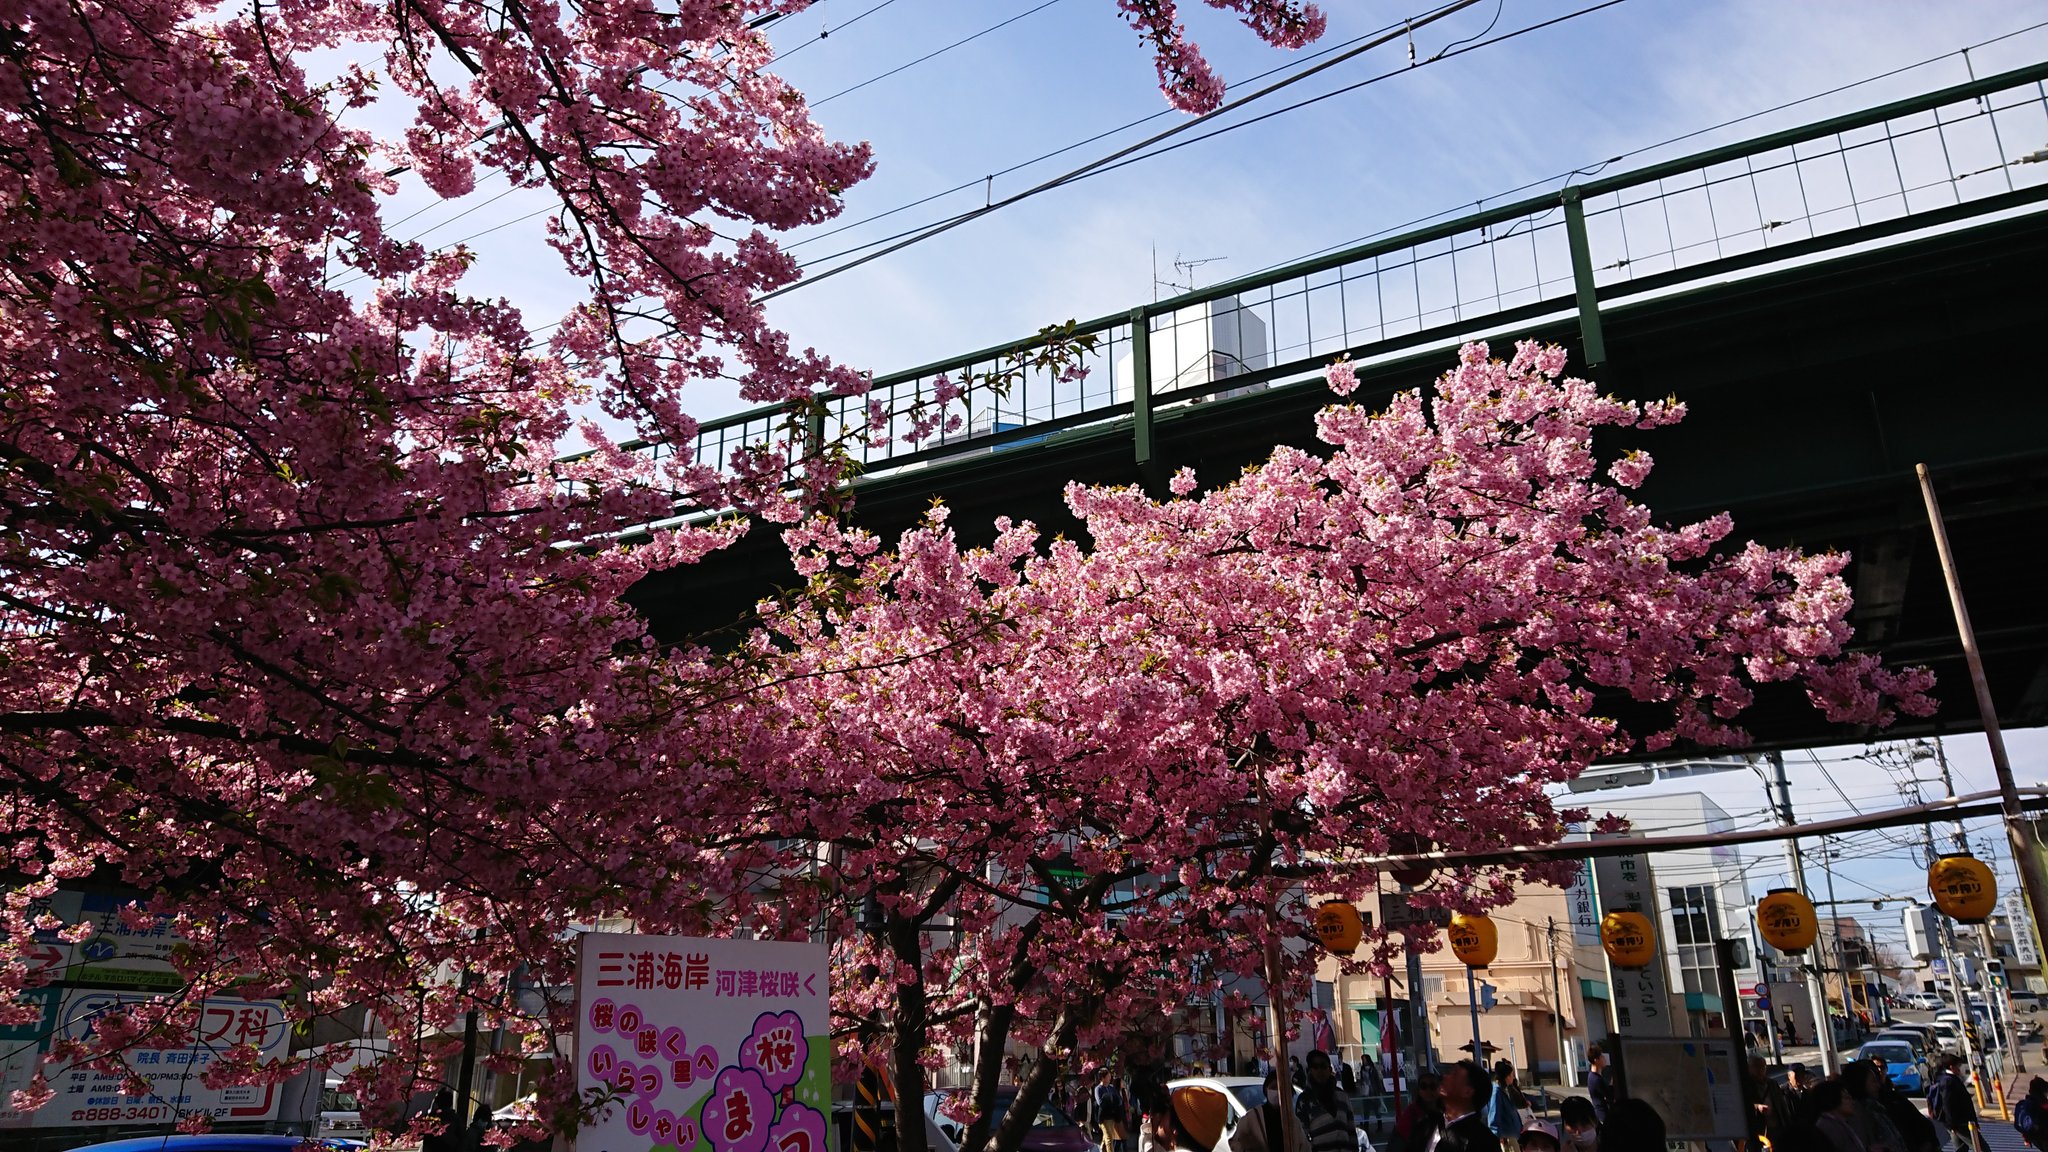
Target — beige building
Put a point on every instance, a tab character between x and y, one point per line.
1538	979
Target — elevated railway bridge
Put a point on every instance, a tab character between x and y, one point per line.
1834	303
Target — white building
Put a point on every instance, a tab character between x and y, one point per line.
1199	345
1702	897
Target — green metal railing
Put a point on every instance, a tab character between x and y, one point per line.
1940	159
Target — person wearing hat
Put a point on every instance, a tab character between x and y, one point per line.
1325	1115
1541	1136
1189	1119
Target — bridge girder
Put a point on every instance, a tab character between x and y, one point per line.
1811	392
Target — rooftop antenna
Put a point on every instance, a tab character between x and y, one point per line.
1185	270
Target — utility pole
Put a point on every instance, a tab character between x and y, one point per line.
1944	936
1827	867
1823	1032
2000	1033
1764	968
1556	998
1472	994
2026	853
1418	1020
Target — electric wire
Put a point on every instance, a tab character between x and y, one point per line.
1062	150
1594	169
1588	169
826	33
937	52
1225	108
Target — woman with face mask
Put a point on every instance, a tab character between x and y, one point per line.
1581	1128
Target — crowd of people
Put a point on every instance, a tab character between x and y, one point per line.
1459	1108
1861	1110
1463	1108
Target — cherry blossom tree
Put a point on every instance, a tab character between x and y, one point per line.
310	636
1073	783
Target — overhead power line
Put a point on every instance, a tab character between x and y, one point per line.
1063	149
1223	109
2033	799
936	52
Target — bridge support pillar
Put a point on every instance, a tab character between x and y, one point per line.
1593	345
1141	386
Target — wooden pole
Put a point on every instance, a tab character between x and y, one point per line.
2019	834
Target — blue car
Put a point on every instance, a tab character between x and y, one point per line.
223	1142
1897	1059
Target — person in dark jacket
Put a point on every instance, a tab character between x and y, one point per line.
449	1138
1600	1087
1918	1130
1421	1118
1466	1088
1860	1079
1324	1112
1632	1126
1950	1105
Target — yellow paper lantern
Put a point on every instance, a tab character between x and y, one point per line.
1339	927
1629	939
1785	917
1962	887
1474	939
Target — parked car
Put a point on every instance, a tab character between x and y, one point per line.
1900	1062
519	1111
222	1142
1244	1094
1948	1037
841	1136
1052	1130
340	1115
2023	1001
1911	1037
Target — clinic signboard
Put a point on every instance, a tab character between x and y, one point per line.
174	1071
702	1045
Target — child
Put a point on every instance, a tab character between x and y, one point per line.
1540	1136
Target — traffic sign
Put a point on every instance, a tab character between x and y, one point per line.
1400	915
1763	1005
1760	990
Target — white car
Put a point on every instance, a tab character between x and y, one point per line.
340	1116
1244	1094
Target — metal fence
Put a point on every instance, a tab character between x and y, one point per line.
1942	159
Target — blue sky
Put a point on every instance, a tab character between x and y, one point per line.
1832	783
1440	137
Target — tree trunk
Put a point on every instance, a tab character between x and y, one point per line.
1037	1088
992	1034
908	1035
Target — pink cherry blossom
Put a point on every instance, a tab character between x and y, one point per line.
311	639
1056	753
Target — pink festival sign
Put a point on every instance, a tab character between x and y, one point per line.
703	1045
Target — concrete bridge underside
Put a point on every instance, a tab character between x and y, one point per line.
1812	394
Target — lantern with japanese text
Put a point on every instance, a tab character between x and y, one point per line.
1339	927
1785	917
1629	939
1474	939
1962	887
